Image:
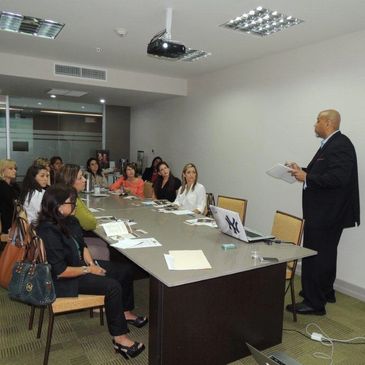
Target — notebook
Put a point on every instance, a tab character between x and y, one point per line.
273	359
230	223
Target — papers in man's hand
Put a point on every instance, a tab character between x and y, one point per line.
187	260
281	172
115	229
202	222
136	243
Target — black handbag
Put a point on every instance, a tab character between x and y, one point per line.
31	282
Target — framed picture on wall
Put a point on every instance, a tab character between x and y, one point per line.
103	158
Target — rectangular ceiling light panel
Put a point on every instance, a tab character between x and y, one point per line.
261	22
45	28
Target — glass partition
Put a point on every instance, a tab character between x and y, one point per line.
46	128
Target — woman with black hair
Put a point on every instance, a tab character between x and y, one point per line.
33	187
75	272
129	183
55	163
97	176
166	185
151	173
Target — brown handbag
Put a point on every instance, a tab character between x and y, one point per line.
15	248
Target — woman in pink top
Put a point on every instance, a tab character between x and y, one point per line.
129	182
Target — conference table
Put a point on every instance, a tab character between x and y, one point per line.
204	316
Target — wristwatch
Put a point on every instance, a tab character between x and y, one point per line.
85	270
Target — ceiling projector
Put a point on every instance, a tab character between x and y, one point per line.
161	45
165	48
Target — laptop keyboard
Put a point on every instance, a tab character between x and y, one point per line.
251	234
273	358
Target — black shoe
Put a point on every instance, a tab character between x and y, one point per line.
126	351
302	308
138	322
330	298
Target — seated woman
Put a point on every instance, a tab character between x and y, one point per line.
75	272
129	182
191	195
55	165
9	192
33	188
71	175
166	185
151	173
97	176
44	161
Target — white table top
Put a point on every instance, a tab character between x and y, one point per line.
171	231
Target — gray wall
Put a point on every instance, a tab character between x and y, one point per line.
237	123
117	135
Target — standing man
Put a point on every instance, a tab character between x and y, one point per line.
330	204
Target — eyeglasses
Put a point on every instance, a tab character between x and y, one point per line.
72	203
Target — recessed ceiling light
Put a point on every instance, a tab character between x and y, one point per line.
39	103
13	22
82	107
261	22
102	101
53	96
99	50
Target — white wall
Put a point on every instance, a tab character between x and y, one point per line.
236	123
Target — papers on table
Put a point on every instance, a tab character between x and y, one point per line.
96	210
176	211
99	195
282	172
115	229
187	260
136	243
148	202
202	222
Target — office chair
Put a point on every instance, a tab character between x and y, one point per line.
148	189
287	227
235	204
63	306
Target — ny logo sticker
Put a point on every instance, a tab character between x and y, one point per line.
232	225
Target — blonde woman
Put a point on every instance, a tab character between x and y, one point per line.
9	192
191	195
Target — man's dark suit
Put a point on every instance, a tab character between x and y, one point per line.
330	204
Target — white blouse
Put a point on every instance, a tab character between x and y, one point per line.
192	199
34	206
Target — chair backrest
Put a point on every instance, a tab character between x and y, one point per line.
210	201
148	189
235	204
287	227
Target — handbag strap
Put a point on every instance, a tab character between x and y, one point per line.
35	251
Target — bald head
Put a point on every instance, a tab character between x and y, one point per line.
328	122
333	117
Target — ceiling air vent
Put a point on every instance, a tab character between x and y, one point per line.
81	72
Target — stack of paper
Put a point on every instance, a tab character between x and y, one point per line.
202	222
115	229
136	243
187	260
282	172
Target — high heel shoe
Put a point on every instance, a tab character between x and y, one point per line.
138	322
126	351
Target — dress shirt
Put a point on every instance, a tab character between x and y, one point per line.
192	199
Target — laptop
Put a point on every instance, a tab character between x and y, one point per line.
276	358
230	223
